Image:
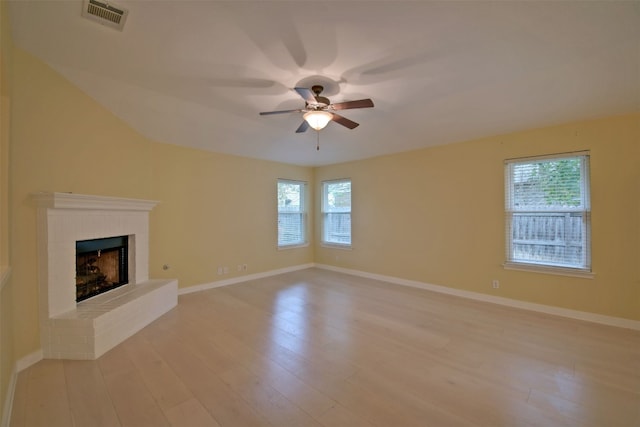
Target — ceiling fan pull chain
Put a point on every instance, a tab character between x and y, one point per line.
317	140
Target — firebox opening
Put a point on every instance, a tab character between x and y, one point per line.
101	265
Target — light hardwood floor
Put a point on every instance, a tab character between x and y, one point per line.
318	348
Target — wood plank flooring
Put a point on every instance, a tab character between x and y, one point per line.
319	348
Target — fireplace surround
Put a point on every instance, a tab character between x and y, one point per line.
86	329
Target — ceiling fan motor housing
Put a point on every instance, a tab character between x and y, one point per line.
317	90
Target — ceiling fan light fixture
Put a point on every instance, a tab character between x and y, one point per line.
317	119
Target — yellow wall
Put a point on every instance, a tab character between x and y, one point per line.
436	216
7	354
215	210
5	108
433	215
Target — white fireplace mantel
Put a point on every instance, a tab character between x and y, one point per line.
91	202
85	330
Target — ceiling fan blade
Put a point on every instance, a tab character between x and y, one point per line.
266	113
306	94
344	121
303	127
361	103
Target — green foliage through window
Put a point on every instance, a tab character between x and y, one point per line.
548	211
548	183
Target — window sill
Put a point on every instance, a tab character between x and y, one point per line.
545	269
285	247
336	246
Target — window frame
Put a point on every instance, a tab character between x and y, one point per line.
583	211
325	213
302	212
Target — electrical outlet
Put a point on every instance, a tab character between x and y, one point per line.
220	270
225	270
495	284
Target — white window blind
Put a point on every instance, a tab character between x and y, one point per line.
292	213
336	212
548	211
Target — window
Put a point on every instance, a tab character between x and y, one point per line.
548	212
336	212
292	213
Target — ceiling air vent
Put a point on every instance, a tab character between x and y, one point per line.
105	13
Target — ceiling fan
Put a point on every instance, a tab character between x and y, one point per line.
319	111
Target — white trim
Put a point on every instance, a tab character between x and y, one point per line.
548	269
583	211
227	282
29	360
302	212
336	246
548	156
524	305
36	356
89	202
294	246
21	365
5	274
8	401
477	296
324	212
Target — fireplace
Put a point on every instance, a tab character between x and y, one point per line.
101	265
87	245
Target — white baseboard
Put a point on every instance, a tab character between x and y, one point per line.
5	274
20	365
8	401
28	360
233	281
36	356
540	308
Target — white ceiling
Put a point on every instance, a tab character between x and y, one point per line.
197	73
